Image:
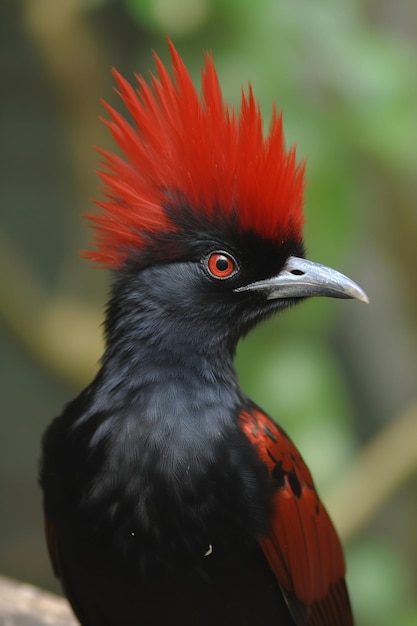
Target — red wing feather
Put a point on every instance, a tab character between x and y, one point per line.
302	547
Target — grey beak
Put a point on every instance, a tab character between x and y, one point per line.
300	278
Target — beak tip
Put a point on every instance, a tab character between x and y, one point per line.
359	294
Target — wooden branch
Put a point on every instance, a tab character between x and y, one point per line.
61	332
380	469
25	605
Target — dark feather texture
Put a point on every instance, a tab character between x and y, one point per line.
169	497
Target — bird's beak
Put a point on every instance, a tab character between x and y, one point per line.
300	278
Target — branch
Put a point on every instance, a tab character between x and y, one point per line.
60	331
25	605
379	470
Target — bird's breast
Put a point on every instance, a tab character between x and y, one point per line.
167	487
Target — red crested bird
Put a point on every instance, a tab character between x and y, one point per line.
169	496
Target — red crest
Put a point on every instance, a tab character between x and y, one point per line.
195	150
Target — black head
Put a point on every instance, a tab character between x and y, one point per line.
209	284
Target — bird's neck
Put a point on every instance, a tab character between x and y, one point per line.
167	375
150	349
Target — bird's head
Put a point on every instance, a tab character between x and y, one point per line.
203	214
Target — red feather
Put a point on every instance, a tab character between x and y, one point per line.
184	148
302	546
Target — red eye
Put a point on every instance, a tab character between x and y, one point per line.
221	265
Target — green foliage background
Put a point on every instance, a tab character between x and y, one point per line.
335	374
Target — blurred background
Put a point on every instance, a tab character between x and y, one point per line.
339	376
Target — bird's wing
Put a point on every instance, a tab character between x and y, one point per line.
302	548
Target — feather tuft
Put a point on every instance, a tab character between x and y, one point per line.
183	148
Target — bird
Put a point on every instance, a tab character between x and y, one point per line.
169	496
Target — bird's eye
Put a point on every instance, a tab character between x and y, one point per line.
221	265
